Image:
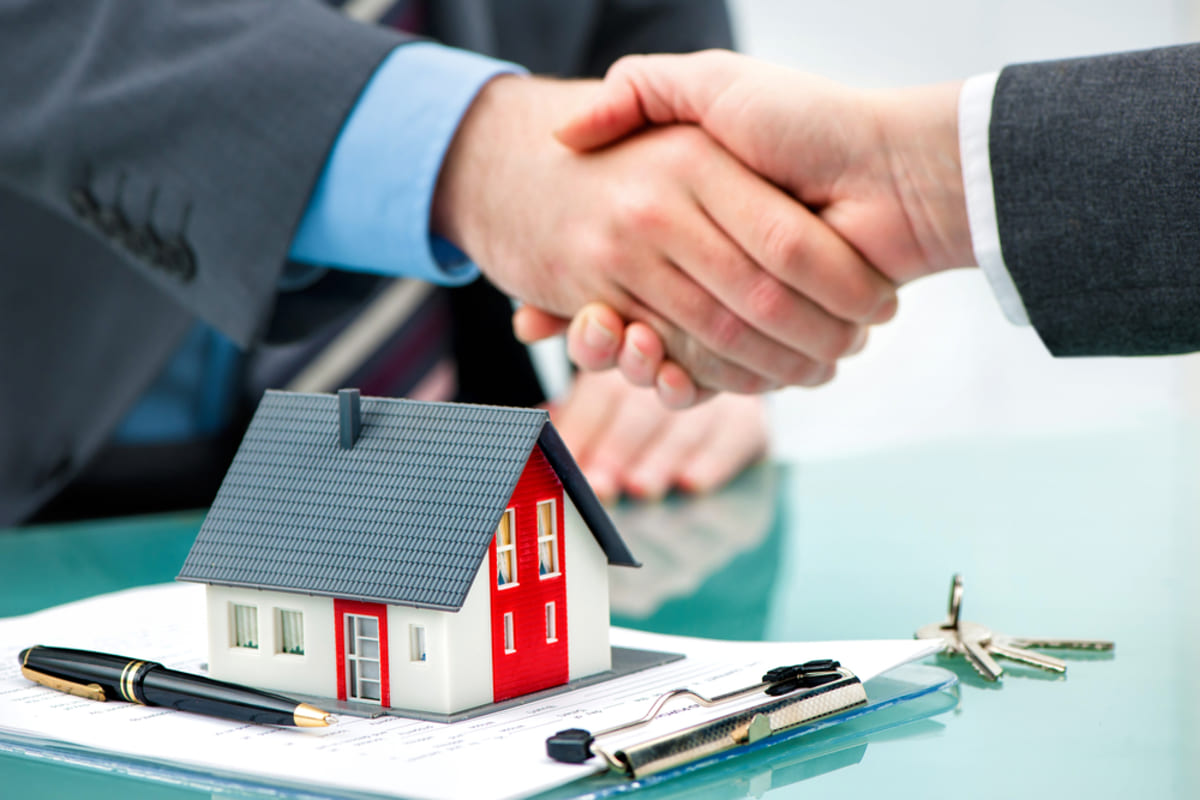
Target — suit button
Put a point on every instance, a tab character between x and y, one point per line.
84	203
112	223
177	258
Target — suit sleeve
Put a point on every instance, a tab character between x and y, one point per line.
185	135
1096	173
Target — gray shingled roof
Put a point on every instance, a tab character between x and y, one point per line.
404	517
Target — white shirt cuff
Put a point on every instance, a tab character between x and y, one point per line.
974	119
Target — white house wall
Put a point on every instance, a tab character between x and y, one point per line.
586	566
457	672
313	673
469	643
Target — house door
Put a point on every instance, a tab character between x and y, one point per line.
362	652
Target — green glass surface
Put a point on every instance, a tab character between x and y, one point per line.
1081	536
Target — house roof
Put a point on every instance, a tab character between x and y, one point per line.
405	516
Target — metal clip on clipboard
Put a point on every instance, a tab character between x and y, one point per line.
793	695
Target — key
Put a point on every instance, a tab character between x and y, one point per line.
972	634
1054	644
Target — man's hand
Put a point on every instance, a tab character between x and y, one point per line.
881	168
745	287
624	440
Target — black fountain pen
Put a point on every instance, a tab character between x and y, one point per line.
99	676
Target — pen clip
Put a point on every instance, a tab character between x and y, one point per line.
89	691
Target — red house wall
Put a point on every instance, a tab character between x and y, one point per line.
536	664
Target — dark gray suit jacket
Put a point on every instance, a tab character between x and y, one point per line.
1096	170
155	159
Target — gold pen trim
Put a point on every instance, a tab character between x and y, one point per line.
127	676
90	691
306	716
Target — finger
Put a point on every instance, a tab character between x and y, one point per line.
716	347
582	418
793	334
594	337
640	90
799	251
662	460
703	296
675	387
635	425
533	324
641	354
732	447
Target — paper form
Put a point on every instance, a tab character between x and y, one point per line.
498	756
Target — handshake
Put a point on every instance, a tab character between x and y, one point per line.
710	222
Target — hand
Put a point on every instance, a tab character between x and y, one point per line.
624	439
882	168
744	287
598	339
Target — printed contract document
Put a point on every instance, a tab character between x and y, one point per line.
500	755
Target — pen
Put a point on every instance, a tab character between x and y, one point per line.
100	676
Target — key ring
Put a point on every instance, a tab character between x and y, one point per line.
956	593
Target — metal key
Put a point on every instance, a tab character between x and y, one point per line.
950	632
980	645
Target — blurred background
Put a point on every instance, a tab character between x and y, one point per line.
950	363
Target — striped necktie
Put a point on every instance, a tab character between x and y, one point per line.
399	343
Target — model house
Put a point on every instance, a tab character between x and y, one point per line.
434	557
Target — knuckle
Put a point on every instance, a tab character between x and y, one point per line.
768	301
603	254
687	147
643	213
785	245
726	331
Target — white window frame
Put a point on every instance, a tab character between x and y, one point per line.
507	550
510	633
355	660
418	645
548	538
289	623
243	626
551	622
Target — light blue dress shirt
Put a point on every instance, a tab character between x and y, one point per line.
368	213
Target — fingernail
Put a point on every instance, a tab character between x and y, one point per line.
597	336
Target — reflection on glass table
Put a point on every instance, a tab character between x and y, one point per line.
1083	536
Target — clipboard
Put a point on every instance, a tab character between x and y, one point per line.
785	699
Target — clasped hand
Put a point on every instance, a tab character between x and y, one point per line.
869	197
744	287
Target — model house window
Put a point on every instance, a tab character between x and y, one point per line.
551	623
245	626
510	640
416	643
506	551
547	539
290	625
362	658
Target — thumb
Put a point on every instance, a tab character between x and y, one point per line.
532	324
613	114
644	90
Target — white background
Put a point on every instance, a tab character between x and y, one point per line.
950	364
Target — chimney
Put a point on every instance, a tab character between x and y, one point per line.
350	416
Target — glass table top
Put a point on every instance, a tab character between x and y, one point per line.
1083	537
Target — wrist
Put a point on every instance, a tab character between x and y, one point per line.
919	127
465	168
